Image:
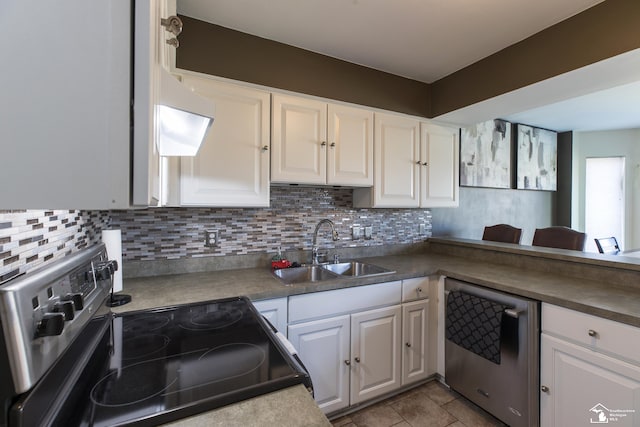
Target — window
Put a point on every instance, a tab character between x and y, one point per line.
604	200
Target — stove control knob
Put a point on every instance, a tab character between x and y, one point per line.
78	301
105	270
66	308
51	324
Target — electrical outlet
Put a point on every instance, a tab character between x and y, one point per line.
211	238
356	232
368	232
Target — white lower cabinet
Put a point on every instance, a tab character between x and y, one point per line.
351	358
275	311
375	353
324	348
589	370
415	364
350	341
416	351
582	387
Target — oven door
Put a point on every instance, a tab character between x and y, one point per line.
55	398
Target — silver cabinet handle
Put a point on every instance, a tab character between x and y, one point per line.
593	333
347	362
408	344
544	389
425	164
333	144
265	148
418	163
323	144
357	359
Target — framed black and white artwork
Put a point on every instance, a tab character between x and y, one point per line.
537	158
485	155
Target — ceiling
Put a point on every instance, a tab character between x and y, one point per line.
426	40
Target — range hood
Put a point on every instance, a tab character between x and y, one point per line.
183	117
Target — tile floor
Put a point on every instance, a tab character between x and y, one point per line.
431	404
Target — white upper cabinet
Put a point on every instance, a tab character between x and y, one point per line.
318	143
350	153
397	172
416	165
439	164
151	52
232	165
64	107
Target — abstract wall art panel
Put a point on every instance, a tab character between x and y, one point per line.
485	155
537	158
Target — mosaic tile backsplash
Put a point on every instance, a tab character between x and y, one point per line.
30	238
168	233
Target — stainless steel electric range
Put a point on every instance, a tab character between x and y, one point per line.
74	363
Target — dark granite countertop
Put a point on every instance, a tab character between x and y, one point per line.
553	276
290	407
597	297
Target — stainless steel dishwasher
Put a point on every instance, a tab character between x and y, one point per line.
492	351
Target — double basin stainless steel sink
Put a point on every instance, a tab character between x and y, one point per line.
320	272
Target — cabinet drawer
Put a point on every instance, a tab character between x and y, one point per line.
603	335
415	289
340	301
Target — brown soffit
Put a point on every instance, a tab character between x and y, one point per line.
216	50
603	31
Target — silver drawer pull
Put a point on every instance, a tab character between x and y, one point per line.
593	333
347	362
544	389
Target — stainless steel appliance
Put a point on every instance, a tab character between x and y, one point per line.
492	351
72	362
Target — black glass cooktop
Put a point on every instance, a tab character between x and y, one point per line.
156	366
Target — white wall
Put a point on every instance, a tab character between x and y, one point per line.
615	143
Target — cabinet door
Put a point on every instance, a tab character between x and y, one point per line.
232	166
323	347
275	311
585	387
415	340
64	106
299	140
375	353
439	154
396	153
350	153
151	52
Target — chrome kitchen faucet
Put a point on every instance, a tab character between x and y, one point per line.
314	249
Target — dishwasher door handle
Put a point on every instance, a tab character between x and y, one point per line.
513	312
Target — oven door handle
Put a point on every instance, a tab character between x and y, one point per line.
287	344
